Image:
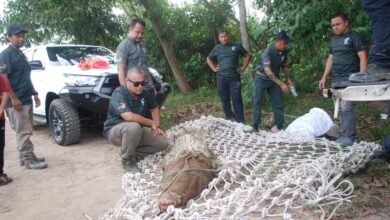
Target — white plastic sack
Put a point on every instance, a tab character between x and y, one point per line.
315	123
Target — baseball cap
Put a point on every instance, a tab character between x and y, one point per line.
283	36
15	29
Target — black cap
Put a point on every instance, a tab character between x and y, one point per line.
283	36
15	29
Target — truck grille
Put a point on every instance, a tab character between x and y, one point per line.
110	83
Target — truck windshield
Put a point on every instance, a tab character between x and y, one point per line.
73	55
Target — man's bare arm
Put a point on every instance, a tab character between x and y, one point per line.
271	75
15	101
212	65
156	115
327	71
132	117
122	73
363	59
287	73
247	60
4	100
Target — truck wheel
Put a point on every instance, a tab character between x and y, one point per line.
64	122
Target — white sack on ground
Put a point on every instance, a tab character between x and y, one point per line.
315	123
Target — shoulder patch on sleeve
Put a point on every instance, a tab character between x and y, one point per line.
122	106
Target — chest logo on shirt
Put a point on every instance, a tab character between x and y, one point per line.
122	106
282	58
144	49
346	40
143	101
233	48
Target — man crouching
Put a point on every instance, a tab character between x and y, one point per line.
127	125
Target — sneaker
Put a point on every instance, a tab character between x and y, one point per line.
344	141
131	167
373	73
333	132
4	179
34	164
40	159
252	130
275	129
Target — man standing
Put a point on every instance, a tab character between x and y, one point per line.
379	67
131	52
347	55
273	59
224	60
127	125
19	110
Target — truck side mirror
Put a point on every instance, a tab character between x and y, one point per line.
36	65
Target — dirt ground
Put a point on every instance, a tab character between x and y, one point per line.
82	180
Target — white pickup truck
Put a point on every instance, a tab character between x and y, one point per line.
70	94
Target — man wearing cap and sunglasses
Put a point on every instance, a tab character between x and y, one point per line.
127	124
19	110
273	59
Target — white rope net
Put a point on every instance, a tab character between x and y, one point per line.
264	175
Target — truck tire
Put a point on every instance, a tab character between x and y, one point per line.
64	122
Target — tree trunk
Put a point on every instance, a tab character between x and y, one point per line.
166	45
243	24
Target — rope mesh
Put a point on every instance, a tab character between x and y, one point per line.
263	175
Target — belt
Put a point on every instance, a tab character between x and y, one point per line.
260	74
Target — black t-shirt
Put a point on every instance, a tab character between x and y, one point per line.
227	57
344	49
122	101
18	72
277	59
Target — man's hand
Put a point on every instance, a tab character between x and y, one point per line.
1	111
290	82
284	88
240	69
322	83
162	133
216	69
37	101
154	128
17	104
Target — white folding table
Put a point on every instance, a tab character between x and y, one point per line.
375	91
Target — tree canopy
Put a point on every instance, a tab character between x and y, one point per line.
191	30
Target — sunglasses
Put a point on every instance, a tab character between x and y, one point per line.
137	83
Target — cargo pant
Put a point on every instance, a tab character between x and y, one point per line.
347	119
379	12
261	85
231	88
21	123
137	141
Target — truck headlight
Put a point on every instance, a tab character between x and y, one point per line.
80	80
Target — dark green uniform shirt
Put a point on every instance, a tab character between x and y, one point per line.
227	58
344	49
18	72
133	54
122	101
277	59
